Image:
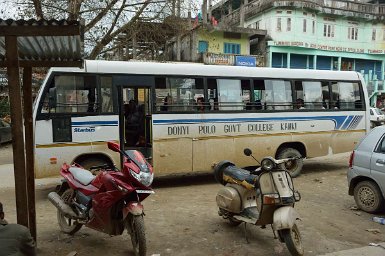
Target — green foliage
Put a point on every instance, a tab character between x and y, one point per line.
4	107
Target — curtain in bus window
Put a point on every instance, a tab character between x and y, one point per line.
106	94
75	94
312	92
348	96
278	94
230	94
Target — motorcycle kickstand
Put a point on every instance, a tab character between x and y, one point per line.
247	239
275	235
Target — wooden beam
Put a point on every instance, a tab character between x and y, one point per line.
29	149
41	30
17	129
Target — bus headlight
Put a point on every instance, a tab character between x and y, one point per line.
145	178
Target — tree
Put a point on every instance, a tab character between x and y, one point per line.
104	20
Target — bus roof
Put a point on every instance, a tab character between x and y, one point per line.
196	69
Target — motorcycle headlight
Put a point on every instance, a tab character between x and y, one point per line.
145	178
267	164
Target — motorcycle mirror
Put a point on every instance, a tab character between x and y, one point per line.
113	146
247	152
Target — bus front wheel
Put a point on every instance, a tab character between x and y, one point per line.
293	167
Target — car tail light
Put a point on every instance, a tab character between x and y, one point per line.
351	160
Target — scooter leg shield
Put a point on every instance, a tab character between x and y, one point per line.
284	218
134	208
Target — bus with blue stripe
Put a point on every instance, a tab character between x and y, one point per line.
187	117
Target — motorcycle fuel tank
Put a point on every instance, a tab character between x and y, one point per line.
229	200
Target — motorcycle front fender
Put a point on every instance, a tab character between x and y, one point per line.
284	218
134	208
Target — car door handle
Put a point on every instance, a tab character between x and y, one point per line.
380	161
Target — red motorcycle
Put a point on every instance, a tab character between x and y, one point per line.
108	202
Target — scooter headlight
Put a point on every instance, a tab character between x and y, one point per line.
267	164
145	178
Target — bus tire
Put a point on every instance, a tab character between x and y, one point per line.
294	167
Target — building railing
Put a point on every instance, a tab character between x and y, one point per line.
341	7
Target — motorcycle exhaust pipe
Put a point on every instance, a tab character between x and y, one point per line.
64	208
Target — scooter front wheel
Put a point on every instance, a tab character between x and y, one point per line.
138	236
292	238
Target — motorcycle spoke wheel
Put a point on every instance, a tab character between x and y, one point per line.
293	240
67	225
138	235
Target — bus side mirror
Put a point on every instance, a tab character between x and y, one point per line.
52	98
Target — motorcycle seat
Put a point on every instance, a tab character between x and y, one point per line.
240	176
82	175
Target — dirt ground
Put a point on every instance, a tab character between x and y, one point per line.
181	219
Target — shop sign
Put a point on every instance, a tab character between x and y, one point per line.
219	59
246	61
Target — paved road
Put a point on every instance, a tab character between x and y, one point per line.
6	153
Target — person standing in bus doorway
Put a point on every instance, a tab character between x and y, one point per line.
132	117
15	239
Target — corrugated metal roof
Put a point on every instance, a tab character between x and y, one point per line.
47	44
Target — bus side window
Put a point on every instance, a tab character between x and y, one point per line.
278	94
178	93
74	94
229	94
310	93
325	95
346	95
259	94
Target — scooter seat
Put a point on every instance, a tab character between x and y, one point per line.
240	176
82	175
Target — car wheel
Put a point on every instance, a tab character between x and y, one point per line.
368	196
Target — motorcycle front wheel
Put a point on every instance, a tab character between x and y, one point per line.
293	240
138	236
67	225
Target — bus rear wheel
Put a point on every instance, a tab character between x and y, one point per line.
293	167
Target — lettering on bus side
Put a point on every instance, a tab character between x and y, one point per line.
232	128
84	130
178	130
207	129
260	127
288	126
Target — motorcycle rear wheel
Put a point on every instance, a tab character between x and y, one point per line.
293	240
67	225
138	235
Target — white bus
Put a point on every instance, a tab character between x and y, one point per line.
186	118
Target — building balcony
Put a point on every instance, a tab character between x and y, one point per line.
354	10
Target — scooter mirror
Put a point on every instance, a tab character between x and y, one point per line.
247	152
113	146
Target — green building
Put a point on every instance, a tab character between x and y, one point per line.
314	34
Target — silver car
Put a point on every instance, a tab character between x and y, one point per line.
366	175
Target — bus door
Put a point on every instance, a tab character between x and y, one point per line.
136	115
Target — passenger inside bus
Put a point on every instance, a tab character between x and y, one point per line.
300	104
200	104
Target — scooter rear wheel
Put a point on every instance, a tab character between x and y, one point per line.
138	235
293	240
67	225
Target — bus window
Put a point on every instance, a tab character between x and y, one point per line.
177	93
74	94
346	95
229	94
325	95
309	92
106	94
278	95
